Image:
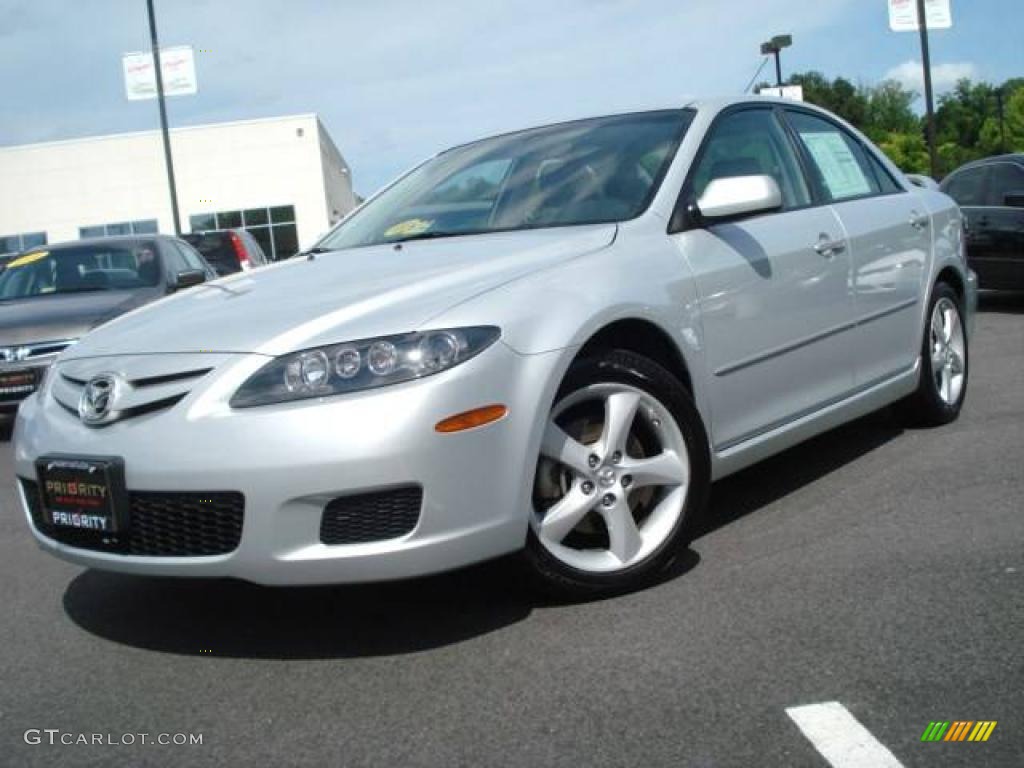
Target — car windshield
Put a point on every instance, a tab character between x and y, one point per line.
583	172
86	267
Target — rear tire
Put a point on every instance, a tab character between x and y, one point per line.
624	471
944	362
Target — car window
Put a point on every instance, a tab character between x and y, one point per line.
751	143
582	172
1005	178
216	248
967	187
96	266
192	259
836	156
886	182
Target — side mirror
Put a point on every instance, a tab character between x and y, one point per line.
188	278
1014	199
729	197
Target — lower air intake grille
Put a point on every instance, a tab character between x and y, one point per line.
371	516
160	524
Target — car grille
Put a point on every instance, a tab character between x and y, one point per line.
143	393
371	516
160	524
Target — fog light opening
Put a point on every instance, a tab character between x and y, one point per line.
477	417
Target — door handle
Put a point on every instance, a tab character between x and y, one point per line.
918	220
828	248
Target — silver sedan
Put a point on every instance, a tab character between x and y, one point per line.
549	342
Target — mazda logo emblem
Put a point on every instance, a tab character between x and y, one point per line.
97	399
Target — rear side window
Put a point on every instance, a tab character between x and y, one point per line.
751	143
837	157
968	187
192	259
885	180
216	249
1006	178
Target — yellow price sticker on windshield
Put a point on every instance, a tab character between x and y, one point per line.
28	258
407	228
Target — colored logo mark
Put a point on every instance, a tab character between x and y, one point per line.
959	730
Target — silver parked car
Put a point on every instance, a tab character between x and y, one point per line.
550	341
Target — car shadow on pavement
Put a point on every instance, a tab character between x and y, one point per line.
778	476
6	428
241	620
236	619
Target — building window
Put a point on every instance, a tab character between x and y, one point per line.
274	228
144	227
15	243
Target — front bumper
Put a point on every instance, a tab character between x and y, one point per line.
290	460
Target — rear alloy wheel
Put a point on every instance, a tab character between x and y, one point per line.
623	465
943	385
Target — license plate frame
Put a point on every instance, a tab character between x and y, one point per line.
83	493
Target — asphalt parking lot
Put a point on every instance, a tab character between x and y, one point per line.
875	566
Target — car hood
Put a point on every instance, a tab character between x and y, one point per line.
337	296
62	316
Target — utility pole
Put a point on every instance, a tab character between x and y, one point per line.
929	99
163	117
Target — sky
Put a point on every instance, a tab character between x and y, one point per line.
395	81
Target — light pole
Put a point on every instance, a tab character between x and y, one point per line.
774	47
163	117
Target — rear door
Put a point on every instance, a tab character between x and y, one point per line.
775	303
1005	225
888	233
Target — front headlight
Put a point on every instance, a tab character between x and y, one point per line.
358	365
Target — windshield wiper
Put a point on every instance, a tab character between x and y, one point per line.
435	235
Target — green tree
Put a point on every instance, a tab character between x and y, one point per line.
967	118
996	138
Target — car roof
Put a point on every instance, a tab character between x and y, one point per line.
708	104
1017	158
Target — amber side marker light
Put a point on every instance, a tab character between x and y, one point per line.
470	419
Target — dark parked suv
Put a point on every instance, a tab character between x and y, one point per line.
228	250
991	194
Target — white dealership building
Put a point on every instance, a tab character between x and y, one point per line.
281	178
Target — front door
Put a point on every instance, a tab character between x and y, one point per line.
775	301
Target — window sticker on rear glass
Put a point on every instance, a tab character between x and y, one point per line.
409	227
28	258
842	172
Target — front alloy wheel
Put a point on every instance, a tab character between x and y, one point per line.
621	466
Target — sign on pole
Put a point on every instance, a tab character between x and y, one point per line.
177	66
903	15
791	92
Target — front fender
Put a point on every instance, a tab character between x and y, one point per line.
640	277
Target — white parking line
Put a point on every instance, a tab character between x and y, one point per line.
840	738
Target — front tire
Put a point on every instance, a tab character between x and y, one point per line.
623	472
944	362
